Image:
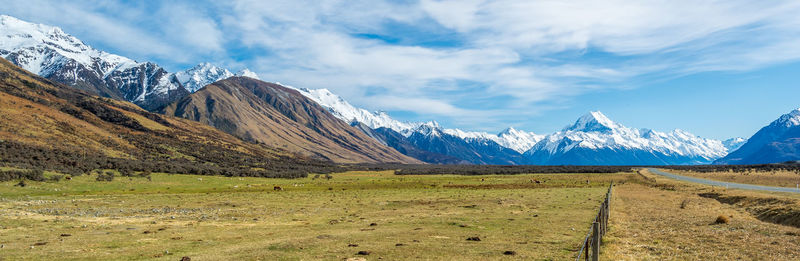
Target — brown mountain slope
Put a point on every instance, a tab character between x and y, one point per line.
281	117
52	126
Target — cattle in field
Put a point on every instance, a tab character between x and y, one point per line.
277	188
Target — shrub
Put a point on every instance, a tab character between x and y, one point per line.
55	178
105	176
722	219
35	175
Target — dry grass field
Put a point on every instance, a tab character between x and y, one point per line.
376	213
672	220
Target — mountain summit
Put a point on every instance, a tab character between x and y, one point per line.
777	142
201	75
593	121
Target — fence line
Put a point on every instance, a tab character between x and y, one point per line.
590	249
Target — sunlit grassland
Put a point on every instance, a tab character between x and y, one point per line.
666	219
212	217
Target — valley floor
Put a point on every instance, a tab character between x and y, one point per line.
217	218
664	219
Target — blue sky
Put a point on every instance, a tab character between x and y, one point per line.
715	68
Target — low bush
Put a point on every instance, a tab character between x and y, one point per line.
401	169
105	176
722	219
35	175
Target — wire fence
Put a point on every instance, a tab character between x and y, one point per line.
590	249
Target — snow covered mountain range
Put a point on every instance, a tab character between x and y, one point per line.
51	53
592	139
511	138
595	139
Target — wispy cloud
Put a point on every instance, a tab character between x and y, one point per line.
446	58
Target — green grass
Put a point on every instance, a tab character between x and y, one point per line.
211	217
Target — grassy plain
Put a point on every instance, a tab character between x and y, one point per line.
664	219
216	218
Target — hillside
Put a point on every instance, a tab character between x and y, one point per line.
281	117
51	126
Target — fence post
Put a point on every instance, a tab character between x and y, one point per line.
588	245
595	241
598	230
610	188
605	216
602	218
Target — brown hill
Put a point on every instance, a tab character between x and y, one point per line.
281	117
52	126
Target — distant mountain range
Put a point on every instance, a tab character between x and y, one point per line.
592	140
274	114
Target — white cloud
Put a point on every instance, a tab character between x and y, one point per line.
617	26
529	54
191	27
531	51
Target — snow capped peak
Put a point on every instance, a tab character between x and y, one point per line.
683	133
470	134
6	19
248	73
593	121
507	131
201	75
518	140
41	49
10	22
430	128
790	119
733	144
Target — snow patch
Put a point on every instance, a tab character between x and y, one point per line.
203	74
